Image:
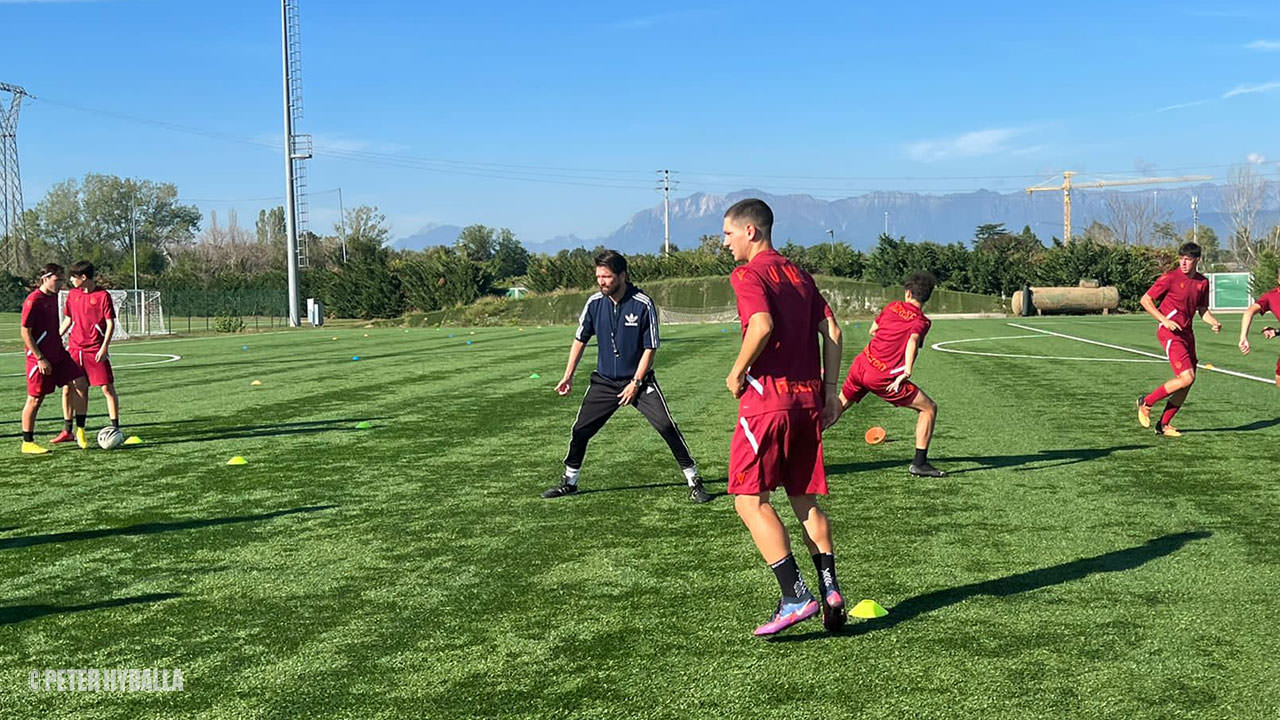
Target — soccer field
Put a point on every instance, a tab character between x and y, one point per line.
1072	564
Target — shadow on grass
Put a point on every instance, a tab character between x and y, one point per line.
625	488
1115	561
1055	458
1255	425
306	427
22	613
150	528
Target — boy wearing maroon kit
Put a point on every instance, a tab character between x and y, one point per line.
785	399
90	315
1269	302
885	364
48	364
1181	293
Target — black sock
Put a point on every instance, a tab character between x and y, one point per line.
115	423
28	436
66	425
80	420
825	564
789	580
922	457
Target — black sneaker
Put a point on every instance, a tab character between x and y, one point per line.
564	488
697	493
925	470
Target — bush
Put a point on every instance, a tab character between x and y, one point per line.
228	323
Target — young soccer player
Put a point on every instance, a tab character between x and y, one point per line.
48	364
1268	303
1181	293
90	315
785	399
885	365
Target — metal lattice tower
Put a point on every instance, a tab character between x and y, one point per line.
300	146
15	249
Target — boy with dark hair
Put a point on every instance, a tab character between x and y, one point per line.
90	315
48	364
786	392
624	373
1181	293
885	365
1269	302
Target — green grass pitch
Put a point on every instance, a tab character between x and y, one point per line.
1072	565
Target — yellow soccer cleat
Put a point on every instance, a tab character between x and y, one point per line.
1144	414
30	448
1167	430
81	440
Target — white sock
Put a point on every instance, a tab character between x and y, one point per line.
571	474
689	474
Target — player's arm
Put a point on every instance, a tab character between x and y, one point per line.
1150	306
833	403
64	326
1245	321
1209	318
575	356
629	393
873	329
41	361
754	341
106	339
909	362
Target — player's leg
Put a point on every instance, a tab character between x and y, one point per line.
29	411
1181	356
926	419
755	467
80	408
113	403
67	422
1185	380
806	479
653	405
599	403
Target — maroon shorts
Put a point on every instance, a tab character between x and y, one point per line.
1180	349
65	372
864	378
99	373
778	449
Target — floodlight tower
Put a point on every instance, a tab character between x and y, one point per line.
297	149
11	182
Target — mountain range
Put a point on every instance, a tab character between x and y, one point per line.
859	221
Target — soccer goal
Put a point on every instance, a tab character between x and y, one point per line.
139	313
1229	291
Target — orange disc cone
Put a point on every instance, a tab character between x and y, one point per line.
874	436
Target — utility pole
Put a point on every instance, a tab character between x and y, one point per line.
11	183
832	233
1195	218
886	222
666	211
342	226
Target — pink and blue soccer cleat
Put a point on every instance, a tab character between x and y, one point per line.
788	614
833	611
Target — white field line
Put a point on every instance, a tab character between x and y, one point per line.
1268	381
165	358
942	346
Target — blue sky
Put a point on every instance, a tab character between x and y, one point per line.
551	118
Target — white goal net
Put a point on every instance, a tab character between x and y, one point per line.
138	312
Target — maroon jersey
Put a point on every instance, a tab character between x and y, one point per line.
1270	302
40	315
1179	296
896	323
788	373
89	313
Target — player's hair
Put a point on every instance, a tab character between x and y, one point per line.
612	259
1189	249
50	269
921	285
755	212
83	267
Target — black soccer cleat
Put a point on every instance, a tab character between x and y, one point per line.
564	488
834	613
925	470
697	493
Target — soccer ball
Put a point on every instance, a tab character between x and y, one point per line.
110	438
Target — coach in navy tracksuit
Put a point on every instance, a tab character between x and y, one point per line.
625	322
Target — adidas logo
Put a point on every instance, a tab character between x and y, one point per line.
632	320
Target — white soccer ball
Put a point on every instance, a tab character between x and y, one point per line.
110	438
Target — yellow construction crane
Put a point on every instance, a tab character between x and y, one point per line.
1066	187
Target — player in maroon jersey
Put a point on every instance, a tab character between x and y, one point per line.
90	316
1268	303
48	364
786	395
884	366
1174	300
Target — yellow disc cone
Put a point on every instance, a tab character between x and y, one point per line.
256	382
237	460
133	440
868	609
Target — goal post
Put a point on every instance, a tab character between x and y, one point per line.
139	313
